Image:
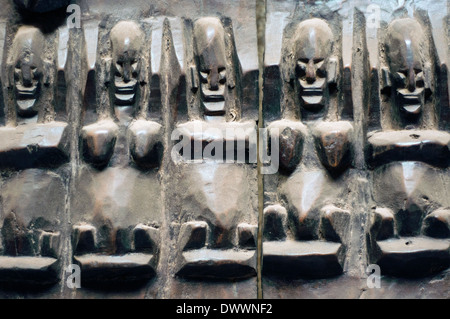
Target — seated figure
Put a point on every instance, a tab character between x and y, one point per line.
306	225
410	224
217	238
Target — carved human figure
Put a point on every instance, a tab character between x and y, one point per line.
116	239
410	225
312	50
306	223
32	201
405	51
217	237
27	51
209	37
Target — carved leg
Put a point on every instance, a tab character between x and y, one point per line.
199	261
136	262
288	257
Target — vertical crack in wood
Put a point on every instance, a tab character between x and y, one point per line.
261	26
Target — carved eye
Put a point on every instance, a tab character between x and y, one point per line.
17	72
134	68
400	77
420	82
119	67
321	68
318	62
33	71
301	68
134	65
222	75
204	76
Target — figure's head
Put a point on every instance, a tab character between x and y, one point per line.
210	48
312	49
127	41
27	50
405	48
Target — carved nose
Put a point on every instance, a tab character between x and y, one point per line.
411	80
214	79
26	76
126	72
310	72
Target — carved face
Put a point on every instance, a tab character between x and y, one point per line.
312	48
127	41
405	43
27	68
210	47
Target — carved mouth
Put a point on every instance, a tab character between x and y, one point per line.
26	93
213	101
312	94
125	92
411	102
213	96
26	98
214	108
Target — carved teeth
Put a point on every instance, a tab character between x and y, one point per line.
127	88
125	99
214	108
24	93
312	92
314	103
25	107
413	109
213	96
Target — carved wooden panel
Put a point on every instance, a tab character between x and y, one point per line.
356	103
168	152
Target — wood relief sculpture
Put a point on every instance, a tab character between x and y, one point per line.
409	154
116	236
33	197
305	230
129	147
217	239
